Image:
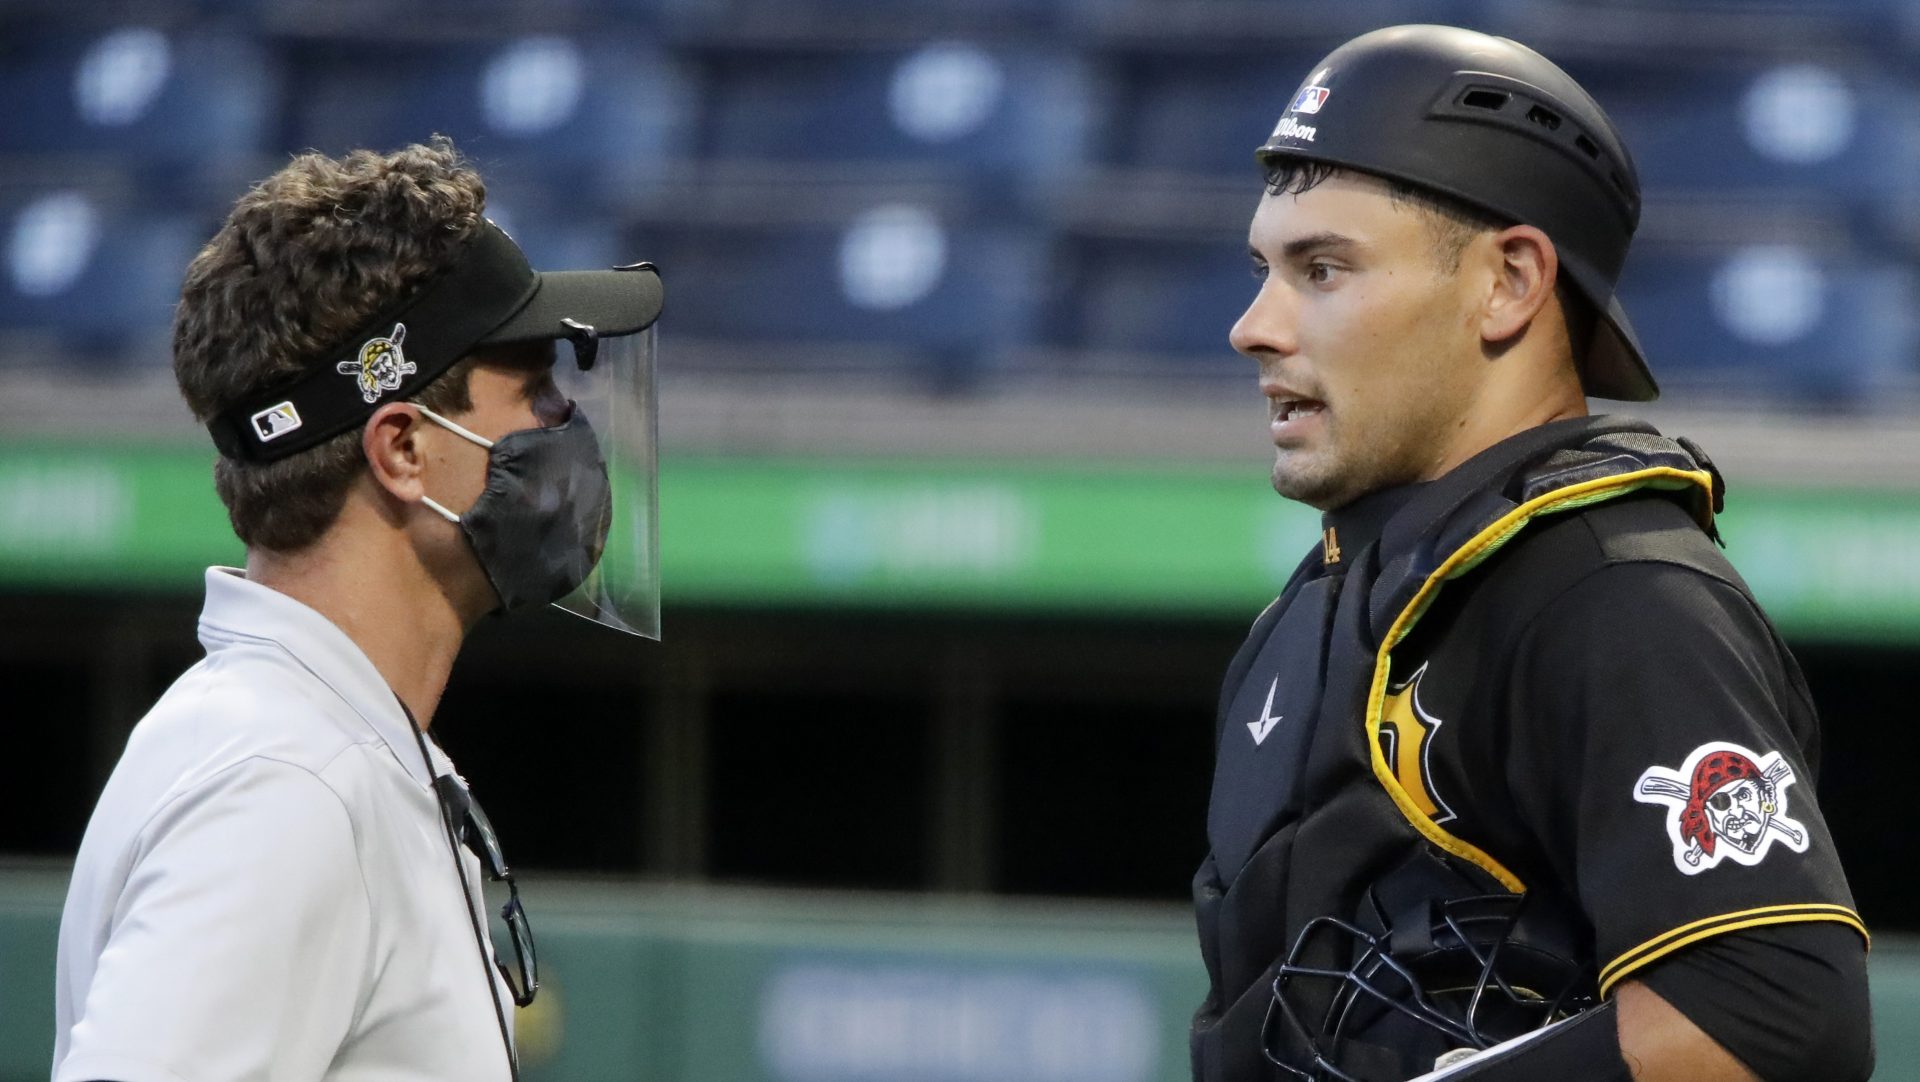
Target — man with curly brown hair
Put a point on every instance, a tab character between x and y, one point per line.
273	883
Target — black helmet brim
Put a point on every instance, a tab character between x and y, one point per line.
1612	365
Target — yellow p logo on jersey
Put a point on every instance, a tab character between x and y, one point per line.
1406	739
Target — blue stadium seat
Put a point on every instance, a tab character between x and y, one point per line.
839	22
146	98
1174	300
1196	114
974	114
88	272
1817	326
1861	17
891	283
591	117
1274	27
414	19
555	231
1847	133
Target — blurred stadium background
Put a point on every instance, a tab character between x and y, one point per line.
964	502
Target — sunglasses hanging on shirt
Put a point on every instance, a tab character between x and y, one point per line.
475	831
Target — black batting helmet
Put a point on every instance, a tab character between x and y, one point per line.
1495	125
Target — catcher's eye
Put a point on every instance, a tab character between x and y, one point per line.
1720	801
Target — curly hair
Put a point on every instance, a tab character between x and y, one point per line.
305	260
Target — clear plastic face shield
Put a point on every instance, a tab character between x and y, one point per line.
611	383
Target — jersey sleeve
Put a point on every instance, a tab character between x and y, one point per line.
1661	755
1787	1000
240	944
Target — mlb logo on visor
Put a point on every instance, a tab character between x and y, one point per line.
275	421
1309	100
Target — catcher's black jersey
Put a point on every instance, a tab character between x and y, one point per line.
1636	739
1540	671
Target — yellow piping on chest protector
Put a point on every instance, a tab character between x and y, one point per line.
1465	559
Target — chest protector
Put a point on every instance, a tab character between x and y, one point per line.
1308	820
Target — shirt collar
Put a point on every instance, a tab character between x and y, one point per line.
238	610
1345	531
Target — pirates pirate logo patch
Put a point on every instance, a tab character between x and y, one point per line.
1725	803
380	365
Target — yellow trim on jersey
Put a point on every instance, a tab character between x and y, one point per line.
1687	934
1463	560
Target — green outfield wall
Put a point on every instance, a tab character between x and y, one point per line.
672	984
1188	540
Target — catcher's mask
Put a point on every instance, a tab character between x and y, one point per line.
1387	995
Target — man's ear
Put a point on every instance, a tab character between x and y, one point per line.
1523	280
391	441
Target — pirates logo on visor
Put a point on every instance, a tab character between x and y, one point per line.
381	364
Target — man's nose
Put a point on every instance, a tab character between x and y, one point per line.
1267	328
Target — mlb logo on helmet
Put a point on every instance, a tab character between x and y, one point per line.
1309	100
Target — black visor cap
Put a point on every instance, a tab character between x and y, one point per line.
489	295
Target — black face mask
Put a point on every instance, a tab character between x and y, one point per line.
539	527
